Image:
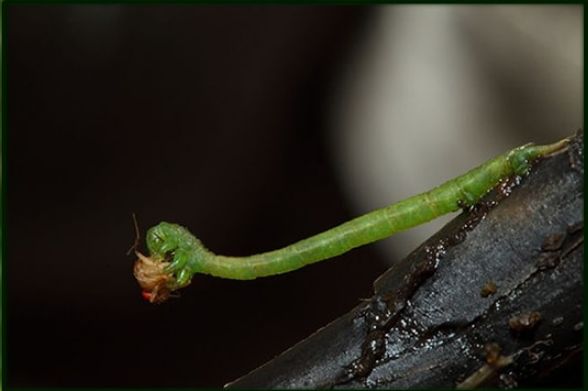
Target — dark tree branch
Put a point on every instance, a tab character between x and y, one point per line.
493	299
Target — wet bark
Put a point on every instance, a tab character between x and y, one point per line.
493	299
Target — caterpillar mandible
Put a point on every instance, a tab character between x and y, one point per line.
175	255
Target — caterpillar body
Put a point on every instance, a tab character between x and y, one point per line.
176	255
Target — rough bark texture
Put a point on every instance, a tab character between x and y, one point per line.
493	299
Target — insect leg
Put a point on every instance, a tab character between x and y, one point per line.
179	262
184	277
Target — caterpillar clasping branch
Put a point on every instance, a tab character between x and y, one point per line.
175	255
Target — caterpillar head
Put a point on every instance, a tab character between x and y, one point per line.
157	284
164	270
162	239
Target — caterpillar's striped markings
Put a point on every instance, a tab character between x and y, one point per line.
176	255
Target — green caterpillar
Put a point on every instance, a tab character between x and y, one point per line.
176	255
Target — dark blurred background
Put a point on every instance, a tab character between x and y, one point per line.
253	126
211	117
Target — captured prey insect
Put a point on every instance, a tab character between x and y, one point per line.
175	255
